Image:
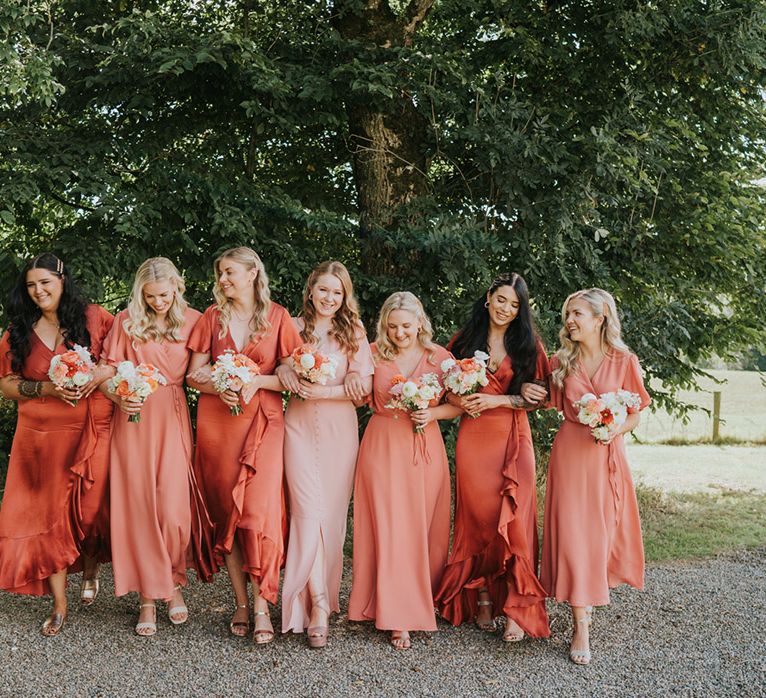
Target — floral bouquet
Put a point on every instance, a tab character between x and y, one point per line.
71	370
232	371
465	376
413	395
605	413
137	382
313	366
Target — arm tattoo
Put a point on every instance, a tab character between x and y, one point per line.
30	389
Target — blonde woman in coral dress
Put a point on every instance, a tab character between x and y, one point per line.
592	532
239	459
321	444
158	517
493	563
402	488
53	505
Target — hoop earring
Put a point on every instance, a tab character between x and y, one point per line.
311	296
486	304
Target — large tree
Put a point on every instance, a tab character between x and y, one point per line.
428	143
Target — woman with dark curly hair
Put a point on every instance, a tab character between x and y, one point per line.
493	564
52	513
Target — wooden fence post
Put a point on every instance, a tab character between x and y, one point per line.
716	415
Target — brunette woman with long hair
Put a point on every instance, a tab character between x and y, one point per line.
321	444
493	564
54	505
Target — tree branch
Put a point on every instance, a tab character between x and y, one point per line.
414	15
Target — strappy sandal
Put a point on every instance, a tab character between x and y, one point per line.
317	635
89	591
177	610
147	628
488	626
240	628
53	624
267	632
400	639
582	657
512	635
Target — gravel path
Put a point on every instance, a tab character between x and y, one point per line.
698	630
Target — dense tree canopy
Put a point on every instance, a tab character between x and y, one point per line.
429	144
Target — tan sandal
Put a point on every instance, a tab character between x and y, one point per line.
512	635
400	640
266	634
147	628
178	610
240	628
581	657
89	591
317	635
53	624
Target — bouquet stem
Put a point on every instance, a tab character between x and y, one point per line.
135	418
235	410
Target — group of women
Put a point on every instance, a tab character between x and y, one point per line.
87	483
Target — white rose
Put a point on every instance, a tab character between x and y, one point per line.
409	389
447	364
80	379
307	361
481	356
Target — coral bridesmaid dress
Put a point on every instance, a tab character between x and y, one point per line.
592	532
54	500
158	517
401	511
495	537
321	444
239	459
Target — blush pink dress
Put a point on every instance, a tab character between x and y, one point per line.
495	542
592	533
321	444
159	522
401	511
239	459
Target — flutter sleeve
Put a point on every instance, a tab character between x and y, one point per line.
5	355
556	394
201	337
634	381
542	366
361	362
115	344
100	322
288	338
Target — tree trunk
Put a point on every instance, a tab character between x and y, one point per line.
388	136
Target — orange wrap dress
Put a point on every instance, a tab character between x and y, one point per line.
239	459
321	445
159	521
55	500
401	511
495	536
592	532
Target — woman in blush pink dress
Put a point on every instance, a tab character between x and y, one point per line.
592	532
402	489
158	517
321	444
239	459
493	563
52	509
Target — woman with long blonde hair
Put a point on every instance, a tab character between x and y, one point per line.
592	532
402	488
321	444
238	459
157	512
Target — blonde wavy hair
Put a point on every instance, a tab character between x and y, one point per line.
346	322
141	323
602	305
403	300
248	258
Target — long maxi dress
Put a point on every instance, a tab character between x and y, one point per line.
159	522
495	535
321	445
592	532
401	511
239	459
55	487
